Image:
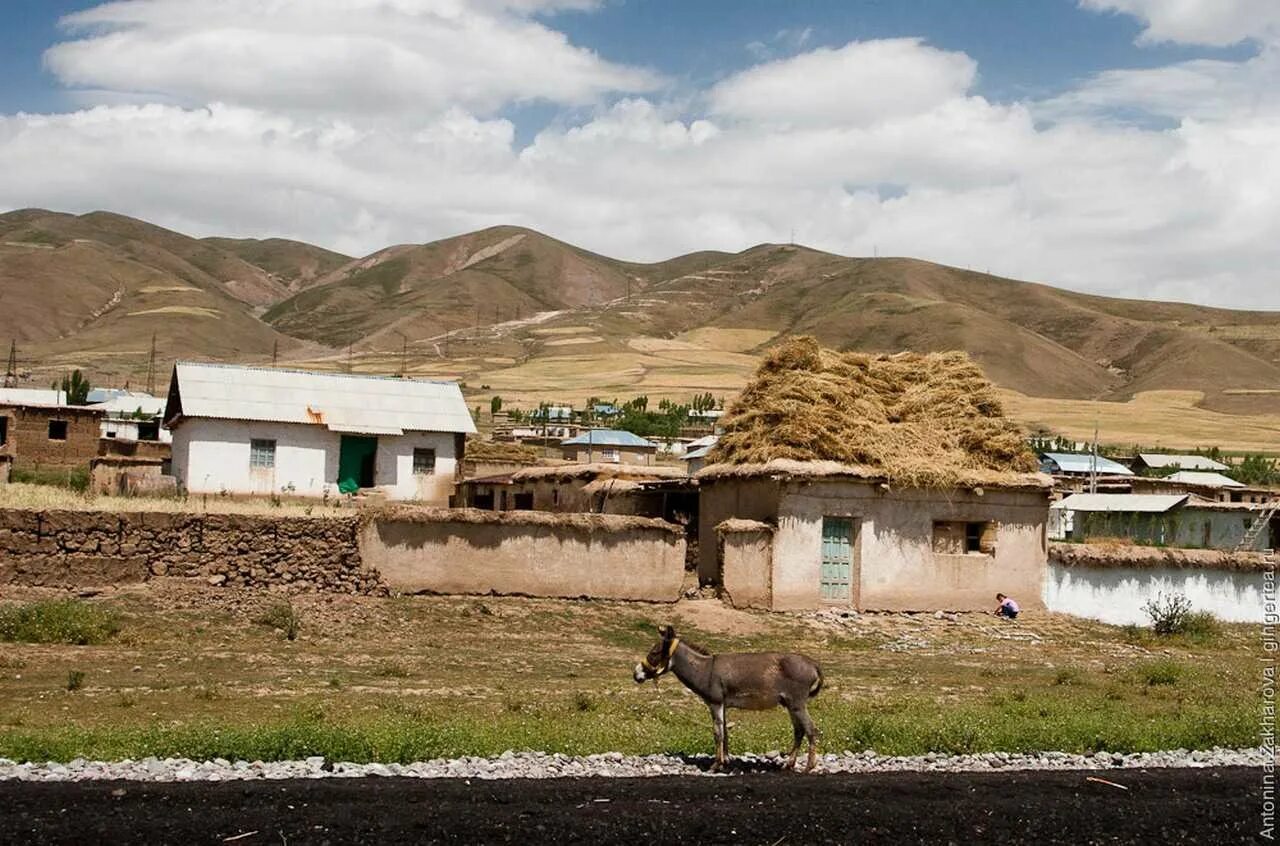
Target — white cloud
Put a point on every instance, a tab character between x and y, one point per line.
876	146
1213	22
861	82
389	57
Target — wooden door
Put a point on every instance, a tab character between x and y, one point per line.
836	581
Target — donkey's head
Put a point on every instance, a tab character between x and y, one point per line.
658	661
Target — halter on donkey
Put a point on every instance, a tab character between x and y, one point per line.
754	681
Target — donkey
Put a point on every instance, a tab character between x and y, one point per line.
755	681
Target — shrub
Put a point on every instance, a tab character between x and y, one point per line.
391	670
57	621
75	679
1067	676
1201	625
1162	672
282	616
1168	613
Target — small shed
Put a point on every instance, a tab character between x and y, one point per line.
608	446
256	431
47	434
1171	520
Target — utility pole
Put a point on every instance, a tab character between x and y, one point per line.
1093	468
348	358
275	351
11	373
404	353
151	367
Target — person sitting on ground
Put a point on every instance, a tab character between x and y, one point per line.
1008	607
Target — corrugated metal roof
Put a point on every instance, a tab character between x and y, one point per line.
1212	480
1078	462
340	401
127	403
696	453
1148	503
608	437
32	396
1184	462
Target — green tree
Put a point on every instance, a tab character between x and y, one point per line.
76	387
495	404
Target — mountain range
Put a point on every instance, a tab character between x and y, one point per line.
512	306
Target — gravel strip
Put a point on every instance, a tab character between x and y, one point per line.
608	765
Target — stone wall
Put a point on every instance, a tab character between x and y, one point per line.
76	549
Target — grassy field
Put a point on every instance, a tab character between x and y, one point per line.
190	672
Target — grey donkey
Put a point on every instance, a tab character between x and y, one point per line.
755	681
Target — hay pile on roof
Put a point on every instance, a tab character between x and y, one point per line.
500	451
929	420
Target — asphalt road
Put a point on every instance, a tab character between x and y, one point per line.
1159	806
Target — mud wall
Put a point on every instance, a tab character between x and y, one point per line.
464	551
77	549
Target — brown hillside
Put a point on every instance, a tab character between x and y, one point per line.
292	263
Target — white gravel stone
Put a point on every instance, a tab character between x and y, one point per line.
610	765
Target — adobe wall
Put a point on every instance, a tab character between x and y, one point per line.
28	436
895	567
76	549
746	549
722	499
6	462
464	551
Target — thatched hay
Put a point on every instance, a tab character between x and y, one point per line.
928	420
500	451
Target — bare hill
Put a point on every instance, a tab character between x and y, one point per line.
513	307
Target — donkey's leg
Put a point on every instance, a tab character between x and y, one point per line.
718	728
798	732
812	733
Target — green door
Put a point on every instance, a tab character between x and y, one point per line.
837	559
356	459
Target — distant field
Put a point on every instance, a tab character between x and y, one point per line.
1153	418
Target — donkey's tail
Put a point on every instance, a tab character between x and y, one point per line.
816	687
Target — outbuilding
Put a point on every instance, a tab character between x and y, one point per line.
261	431
608	446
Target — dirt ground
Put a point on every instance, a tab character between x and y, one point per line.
484	674
1152	806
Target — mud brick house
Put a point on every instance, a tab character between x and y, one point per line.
608	446
260	431
876	482
38	430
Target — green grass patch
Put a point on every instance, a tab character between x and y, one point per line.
1164	671
404	734
74	478
70	621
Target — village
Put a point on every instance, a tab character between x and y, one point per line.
767	505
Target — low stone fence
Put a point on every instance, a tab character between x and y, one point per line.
531	553
77	549
1112	582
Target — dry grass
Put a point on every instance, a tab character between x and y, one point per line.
415	677
47	497
922	419
482	450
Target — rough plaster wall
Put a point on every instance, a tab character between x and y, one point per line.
748	567
749	499
564	561
1116	594
895	567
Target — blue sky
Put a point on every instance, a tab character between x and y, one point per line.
1125	147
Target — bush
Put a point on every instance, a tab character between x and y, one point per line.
1201	625
75	679
57	621
282	616
1162	672
1168	614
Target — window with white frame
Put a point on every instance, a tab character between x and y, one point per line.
424	461
262	454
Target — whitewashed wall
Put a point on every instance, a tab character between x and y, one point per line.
212	456
1116	594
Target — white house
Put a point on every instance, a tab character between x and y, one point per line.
250	430
133	417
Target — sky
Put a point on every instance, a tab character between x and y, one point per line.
1119	147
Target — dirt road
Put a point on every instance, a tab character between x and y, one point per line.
1159	806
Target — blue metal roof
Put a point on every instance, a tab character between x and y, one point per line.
1077	462
608	437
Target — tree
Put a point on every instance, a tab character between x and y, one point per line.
76	387
1256	470
495	404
